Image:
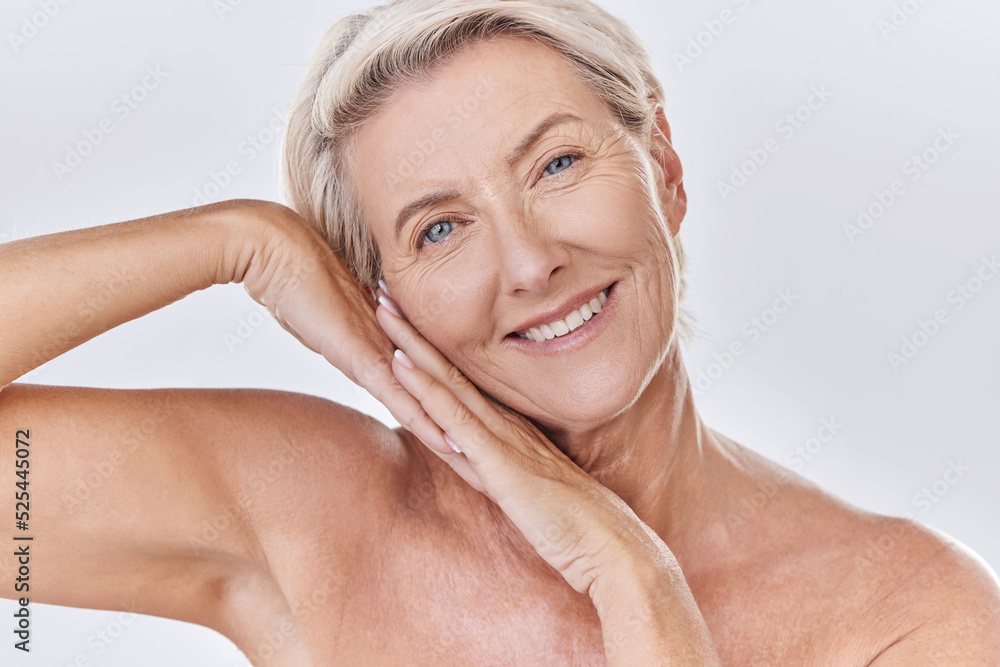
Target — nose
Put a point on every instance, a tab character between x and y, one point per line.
529	253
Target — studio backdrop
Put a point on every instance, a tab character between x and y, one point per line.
843	235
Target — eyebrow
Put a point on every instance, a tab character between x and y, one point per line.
443	195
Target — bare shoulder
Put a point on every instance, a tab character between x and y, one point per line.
299	458
318	482
943	597
212	506
305	476
901	590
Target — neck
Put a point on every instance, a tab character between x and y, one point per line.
656	455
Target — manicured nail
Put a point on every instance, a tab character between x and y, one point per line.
403	359
390	306
452	444
385	288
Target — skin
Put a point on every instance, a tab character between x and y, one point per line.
520	244
330	527
512	241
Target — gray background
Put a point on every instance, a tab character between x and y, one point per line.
825	358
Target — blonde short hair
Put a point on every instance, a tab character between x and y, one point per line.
365	57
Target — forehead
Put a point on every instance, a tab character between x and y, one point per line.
458	126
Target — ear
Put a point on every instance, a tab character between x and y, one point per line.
670	177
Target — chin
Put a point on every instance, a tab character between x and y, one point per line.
604	395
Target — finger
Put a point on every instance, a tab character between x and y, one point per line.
461	465
465	429
433	437
456	460
429	358
374	373
499	424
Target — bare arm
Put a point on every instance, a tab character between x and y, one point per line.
179	502
123	483
648	615
61	290
118	481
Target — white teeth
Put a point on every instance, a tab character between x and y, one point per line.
573	321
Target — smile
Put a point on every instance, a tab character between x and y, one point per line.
568	324
573	331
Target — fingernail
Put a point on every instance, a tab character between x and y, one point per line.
385	288
452	444
403	359
390	306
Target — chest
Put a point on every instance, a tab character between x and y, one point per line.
430	595
777	614
440	603
448	611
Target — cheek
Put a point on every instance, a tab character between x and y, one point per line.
450	305
609	213
615	217
432	312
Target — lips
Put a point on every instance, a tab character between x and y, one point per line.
595	329
560	312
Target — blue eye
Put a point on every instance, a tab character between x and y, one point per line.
435	231
562	159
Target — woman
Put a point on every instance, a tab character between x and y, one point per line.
553	497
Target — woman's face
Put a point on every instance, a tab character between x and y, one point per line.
528	224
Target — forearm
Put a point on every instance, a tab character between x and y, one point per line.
60	290
648	615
